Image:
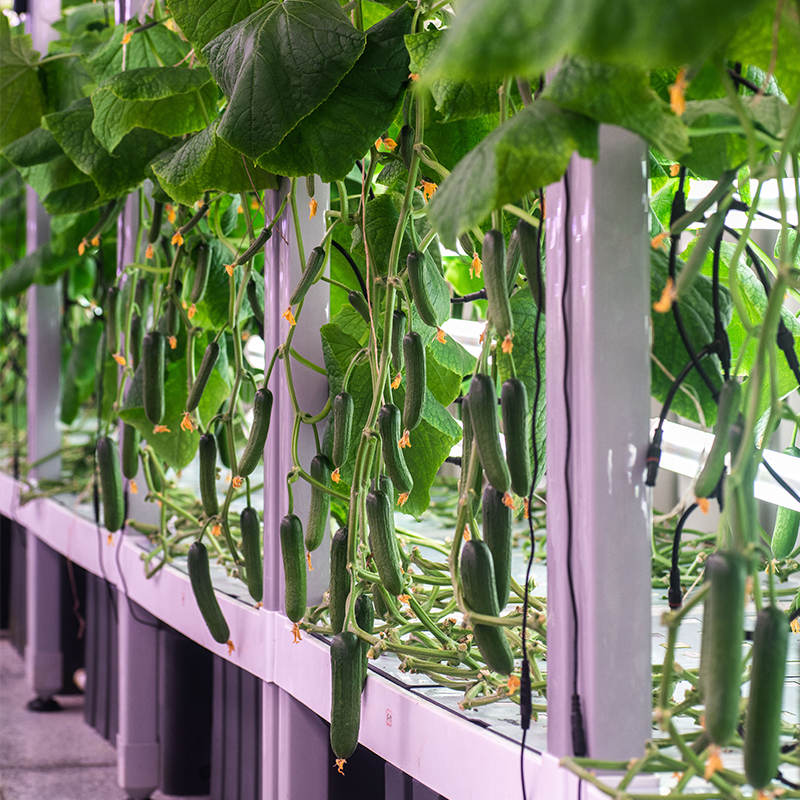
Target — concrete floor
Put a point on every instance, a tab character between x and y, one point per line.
50	756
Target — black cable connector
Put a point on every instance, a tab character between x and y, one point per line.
653	458
576	725
525	704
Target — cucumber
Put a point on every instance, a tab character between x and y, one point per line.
111	311
345	693
110	484
208	474
156	474
168	324
254	449
497	535
365	619
466	449
339	586
294	567
415	269
359	303
398	330
153	354
762	725
130	451
251	550
201	270
723	634
483	415
729	399
480	593
342	427
389	429
494	280
381	609
203	374
155	222
405	144
787	523
514	411
200	578
136	340
529	251
414	355
513	255
255	305
320	504
221	435
383	540
315	263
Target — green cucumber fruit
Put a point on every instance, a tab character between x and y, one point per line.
381	609
110	484
398	331
203	374
130	451
787	523
200	578
514	411
497	535
480	593
201	271
254	449
136	340
153	355
723	635
727	411
156	474
529	251
339	586
155	222
365	619
415	269
389	429
405	144
320	504
359	303
762	727
315	263
345	693
494	280
414	355
168	324
112	312
466	448
383	540
294	566
513	255
251	550
483	415
208	474
342	427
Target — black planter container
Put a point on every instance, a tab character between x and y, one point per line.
101	705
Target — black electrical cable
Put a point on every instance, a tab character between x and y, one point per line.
352	264
468	298
675	594
723	345
780	481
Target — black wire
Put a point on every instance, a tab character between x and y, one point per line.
780	481
675	595
723	345
468	298
676	384
352	264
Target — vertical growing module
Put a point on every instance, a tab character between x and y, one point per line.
354	303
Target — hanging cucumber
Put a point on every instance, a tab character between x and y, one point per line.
168	324
497	535
723	634
398	330
320	504
155	222
480	593
483	415
729	399
345	694
315	263
110	484
254	449
787	523
389	429
200	578
405	144
762	727
203	374
201	271
294	566
136	340
251	550
342	426
512	261
383	540
153	354
414	355
358	302
494	280
365	619
514	410
531	261
339	586
130	451
111	311
208	474
466	449
415	269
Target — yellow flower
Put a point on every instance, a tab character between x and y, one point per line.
702	504
96	241
401	500
441	336
308	561
192	311
428	189
405	440
231	648
795	625
81	247
109	539
714	763
513	684
658	240
677	91
239	209
148	253
161	429
466	535
336	475
173	342
133	487
229	270
674	169
396	380
664	303
296	633
413	76
186	423
340	762
403	598
289	317
127	38
312	208
120	359
170	213
216	529
476	266
526	507
508	500
254	204
177	238
507	346
237	481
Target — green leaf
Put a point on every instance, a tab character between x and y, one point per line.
451	141
36	147
447	364
39	266
341	130
116	174
712	155
21	96
454	99
168	100
61	186
203	20
528	151
436	288
382	214
63	81
619	95
277	65
212	310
